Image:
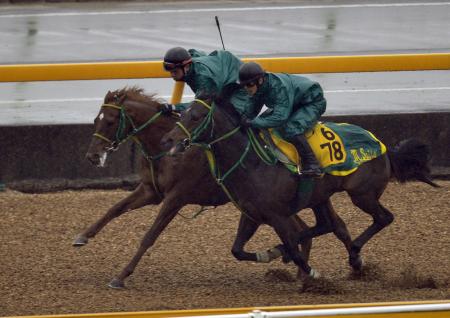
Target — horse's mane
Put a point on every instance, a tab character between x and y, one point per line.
134	93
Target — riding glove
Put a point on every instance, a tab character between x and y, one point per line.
166	109
246	122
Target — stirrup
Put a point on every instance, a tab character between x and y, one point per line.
311	172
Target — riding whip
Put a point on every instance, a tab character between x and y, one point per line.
220	32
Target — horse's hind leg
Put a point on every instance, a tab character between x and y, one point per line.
341	232
381	216
141	196
324	222
170	208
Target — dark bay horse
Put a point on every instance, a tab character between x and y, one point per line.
130	114
268	193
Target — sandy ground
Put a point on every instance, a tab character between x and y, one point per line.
191	266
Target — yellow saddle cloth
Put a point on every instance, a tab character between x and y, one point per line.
339	148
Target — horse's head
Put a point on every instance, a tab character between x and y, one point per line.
192	127
118	120
201	124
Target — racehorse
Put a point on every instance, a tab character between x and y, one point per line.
131	114
269	193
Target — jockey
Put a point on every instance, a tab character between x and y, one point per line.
205	74
294	105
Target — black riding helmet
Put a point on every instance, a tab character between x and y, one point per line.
250	73
176	57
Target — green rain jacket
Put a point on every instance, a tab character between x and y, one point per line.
295	103
209	74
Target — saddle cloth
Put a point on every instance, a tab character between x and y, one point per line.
339	147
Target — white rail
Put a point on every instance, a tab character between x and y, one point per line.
338	311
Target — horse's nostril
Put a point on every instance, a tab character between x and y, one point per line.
93	157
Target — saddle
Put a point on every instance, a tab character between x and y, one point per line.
340	148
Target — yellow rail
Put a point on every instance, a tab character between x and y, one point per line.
232	311
296	65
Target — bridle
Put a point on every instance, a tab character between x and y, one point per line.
208	121
191	140
121	137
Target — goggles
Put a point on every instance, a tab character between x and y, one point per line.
169	66
250	84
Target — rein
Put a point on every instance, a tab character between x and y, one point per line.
213	167
120	138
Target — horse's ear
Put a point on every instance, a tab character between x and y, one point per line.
107	97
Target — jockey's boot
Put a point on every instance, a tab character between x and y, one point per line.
310	165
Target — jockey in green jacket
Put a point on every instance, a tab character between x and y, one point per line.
294	105
205	74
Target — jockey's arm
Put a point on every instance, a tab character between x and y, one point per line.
276	115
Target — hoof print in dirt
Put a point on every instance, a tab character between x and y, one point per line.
410	278
279	275
368	273
321	286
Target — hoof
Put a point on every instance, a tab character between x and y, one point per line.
81	240
286	259
313	274
116	284
356	263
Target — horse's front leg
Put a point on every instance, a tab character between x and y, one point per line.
141	196
168	211
287	230
246	230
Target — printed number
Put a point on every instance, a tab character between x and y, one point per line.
328	134
334	147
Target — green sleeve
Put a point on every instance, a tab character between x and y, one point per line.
181	107
244	104
205	85
276	115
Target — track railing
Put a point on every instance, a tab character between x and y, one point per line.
295	65
417	309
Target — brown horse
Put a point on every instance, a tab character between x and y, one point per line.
269	193
130	114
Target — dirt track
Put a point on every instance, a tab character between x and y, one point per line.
191	266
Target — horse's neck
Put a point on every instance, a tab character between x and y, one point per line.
152	134
230	150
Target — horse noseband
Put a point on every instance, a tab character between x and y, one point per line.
113	147
186	142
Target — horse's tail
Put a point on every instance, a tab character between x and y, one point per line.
409	161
